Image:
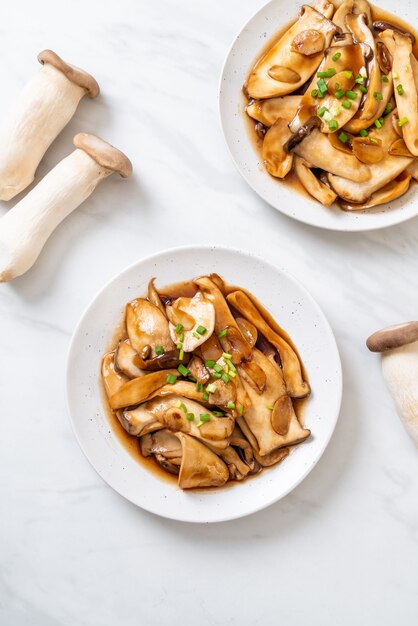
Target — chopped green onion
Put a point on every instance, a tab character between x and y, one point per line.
218	413
382	120
395	75
373	140
400	90
193	380
171	379
385	79
363	132
179	328
327	74
348	74
314	93
201	330
181	354
232	367
336	56
204	417
205	397
339	93
178	404
232	374
226	356
337	85
225	378
351	94
321	111
377	95
218	368
183	407
159	350
181	337
333	124
210	364
216	375
196	335
359	80
321	95
190	417
378	124
362	89
343	137
346	104
183	370
230	405
241	409
403	121
269	407
211	388
199	387
179	345
322	88
388	109
223	333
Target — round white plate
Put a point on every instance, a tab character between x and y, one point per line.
294	309
239	61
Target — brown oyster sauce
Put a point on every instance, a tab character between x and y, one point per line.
291	179
130	442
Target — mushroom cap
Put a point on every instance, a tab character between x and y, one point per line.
104	153
74	74
393	337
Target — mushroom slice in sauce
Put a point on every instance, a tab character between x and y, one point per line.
355	7
128	361
260	83
248	330
309	42
112	379
139	389
317	150
147	328
268	111
198	370
277	161
296	386
413	170
138	421
399	148
200	467
313	186
381	173
395	189
165	447
202	312
154	296
259	416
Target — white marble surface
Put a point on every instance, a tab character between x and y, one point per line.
342	549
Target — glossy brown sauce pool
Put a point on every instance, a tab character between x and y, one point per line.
132	443
291	179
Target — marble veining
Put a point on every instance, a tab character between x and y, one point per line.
343	547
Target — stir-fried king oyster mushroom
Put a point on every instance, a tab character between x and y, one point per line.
45	106
329	131
216	405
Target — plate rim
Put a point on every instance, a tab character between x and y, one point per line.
211	248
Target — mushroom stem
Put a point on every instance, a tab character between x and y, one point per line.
25	228
45	106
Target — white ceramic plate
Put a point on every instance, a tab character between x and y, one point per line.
240	59
294	309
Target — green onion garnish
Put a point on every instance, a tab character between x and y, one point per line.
226	356
201	330
322	88
339	93
403	121
205	397
223	333
378	124
321	111
204	417
314	93
346	104
269	407
211	388
336	56
400	90
377	95
183	370
351	94
230	405
333	124
232	367
363	132
225	378
241	409
179	345
373	140
218	368
199	387
385	79
232	374
327	74
359	80
181	354
210	364
196	335
343	137
171	379
179	328
181	337
183	407
178	404
388	109
190	417
218	413
216	375
362	89
348	74
159	350
395	75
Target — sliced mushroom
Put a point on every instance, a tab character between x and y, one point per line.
283	74
211	350
275	457
165	447
324	7
296	386
413	170
308	42
384	57
317	150
137	390
277	161
301	132
260	84
223	393
352	6
154	296
233	342
253	375
113	380
198	370
202	313
248	330
128	361
381	173
405	90
268	111
393	190
238	467
138	422
200	467
147	326
368	149
382	25
258	418
399	148
388	39
313	186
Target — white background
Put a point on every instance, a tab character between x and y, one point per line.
342	548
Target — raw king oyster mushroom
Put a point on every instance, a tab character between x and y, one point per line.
205	380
